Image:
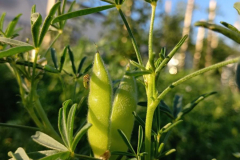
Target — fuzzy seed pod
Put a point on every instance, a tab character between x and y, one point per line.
99	102
125	102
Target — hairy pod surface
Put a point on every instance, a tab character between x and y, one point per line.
125	102
99	102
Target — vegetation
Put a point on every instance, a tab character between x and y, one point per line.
161	126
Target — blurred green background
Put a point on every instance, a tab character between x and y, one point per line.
210	131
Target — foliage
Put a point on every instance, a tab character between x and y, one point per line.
155	124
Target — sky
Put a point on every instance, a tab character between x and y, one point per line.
224	12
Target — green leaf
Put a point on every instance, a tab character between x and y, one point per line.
138	119
140	139
138	73
137	65
79	135
63	58
81	64
33	9
122	153
47	22
237	155
47	141
36	20
165	109
54	57
13	42
88	68
167	152
50	69
11	26
127	142
165	130
20	154
70	122
110	2
192	105
69	10
71	56
229	26
62	123
58	156
81	13
15	50
177	105
237	7
171	54
2	20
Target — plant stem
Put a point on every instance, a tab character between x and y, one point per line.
19	126
55	39
47	126
150	87
151	107
150	39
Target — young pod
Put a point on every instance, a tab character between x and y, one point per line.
99	102
125	102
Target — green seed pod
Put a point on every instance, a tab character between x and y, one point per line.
99	102
125	102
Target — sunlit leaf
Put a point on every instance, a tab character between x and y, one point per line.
70	122
47	141
81	13
79	135
137	73
13	42
20	154
140	139
36	20
60	156
11	26
47	22
2	20
237	7
15	50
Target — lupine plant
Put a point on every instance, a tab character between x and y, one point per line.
111	115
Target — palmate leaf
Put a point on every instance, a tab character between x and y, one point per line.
15	50
47	141
81	13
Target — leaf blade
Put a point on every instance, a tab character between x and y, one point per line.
81	13
15	50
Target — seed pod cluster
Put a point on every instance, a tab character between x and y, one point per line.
107	115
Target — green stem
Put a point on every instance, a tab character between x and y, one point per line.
19	126
151	107
150	87
55	39
150	39
135	46
47	126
